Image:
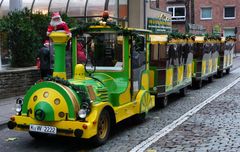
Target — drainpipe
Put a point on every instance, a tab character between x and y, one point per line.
60	40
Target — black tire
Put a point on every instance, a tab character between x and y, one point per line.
197	84
183	91
103	129
162	102
220	74
38	135
227	70
210	79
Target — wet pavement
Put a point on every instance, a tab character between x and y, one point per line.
216	127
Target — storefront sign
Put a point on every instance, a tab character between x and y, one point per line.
217	30
160	24
196	29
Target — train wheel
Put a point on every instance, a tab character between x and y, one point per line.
210	79
227	70
183	91
103	128
197	84
163	101
38	135
220	74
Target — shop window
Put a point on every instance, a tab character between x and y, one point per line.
206	13
229	12
178	13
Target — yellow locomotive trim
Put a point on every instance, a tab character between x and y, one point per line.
63	125
48	95
145	81
151	78
60	75
125	97
59	37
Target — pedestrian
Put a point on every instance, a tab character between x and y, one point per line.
57	24
44	58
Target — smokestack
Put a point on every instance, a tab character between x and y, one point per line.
60	40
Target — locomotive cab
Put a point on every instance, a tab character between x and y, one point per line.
104	90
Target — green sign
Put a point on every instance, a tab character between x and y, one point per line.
159	25
216	30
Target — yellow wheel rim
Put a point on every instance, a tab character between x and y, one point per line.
145	102
103	125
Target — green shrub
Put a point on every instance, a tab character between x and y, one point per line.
25	35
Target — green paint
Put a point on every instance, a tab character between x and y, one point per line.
74	54
47	109
52	85
59	57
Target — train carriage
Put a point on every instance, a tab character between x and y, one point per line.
125	72
205	60
112	85
171	66
225	61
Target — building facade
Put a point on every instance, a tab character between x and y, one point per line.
177	8
216	16
221	14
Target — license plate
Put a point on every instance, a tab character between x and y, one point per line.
43	129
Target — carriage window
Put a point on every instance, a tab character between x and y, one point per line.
154	52
138	52
104	50
158	52
162	51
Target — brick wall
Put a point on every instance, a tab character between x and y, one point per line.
163	6
217	15
15	82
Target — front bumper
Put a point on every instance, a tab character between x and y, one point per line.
64	128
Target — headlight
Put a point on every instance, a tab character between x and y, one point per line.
82	113
18	108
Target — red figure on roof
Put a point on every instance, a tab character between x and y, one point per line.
57	24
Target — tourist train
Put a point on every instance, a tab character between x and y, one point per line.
127	72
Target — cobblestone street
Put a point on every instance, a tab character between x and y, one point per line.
213	128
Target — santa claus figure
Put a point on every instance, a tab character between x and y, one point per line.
57	24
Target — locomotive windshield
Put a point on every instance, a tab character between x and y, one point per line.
103	50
